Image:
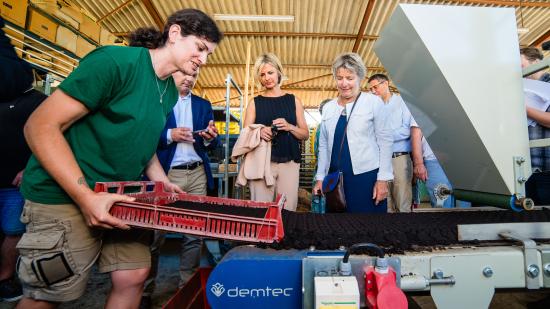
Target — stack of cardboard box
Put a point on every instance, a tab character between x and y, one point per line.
57	21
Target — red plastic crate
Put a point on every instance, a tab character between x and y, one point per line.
148	212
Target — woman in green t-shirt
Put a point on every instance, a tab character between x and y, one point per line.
102	124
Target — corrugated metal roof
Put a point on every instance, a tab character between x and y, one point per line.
321	30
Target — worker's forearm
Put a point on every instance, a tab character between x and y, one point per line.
154	170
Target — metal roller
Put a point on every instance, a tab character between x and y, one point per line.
496	200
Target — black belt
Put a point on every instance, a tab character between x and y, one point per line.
190	166
398	154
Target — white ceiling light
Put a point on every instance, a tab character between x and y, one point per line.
522	29
232	17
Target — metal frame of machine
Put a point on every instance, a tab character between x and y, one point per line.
456	277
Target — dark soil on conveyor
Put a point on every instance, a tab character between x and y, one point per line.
395	232
221	209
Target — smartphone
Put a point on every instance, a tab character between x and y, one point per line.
199	131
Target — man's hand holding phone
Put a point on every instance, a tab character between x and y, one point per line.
210	133
182	135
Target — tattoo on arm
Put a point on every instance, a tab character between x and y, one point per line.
81	181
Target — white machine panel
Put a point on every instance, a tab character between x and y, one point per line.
459	67
336	292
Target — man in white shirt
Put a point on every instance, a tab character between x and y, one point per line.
400	190
183	157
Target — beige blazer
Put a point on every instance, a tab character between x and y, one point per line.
256	163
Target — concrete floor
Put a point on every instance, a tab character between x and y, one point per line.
99	284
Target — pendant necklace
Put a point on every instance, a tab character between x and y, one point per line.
161	95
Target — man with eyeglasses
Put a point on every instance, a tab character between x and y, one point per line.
400	190
188	135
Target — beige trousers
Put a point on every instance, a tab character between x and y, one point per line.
400	189
287	180
192	182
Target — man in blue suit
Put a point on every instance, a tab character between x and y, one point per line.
183	157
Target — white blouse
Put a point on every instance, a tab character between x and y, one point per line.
369	136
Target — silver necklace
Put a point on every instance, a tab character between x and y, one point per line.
161	95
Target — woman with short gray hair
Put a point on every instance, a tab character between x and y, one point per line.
356	140
351	62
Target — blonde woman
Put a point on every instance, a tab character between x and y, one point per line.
285	126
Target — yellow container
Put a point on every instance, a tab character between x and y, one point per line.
14	11
83	47
233	127
90	28
66	39
42	26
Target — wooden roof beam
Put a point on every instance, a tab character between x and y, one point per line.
505	3
299	35
295	88
343	36
154	13
361	32
299	66
120	7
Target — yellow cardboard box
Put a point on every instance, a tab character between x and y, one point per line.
61	10
90	28
66	39
83	47
42	26
107	38
14	11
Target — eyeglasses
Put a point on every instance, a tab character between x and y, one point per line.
375	87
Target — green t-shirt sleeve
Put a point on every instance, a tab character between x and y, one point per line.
94	81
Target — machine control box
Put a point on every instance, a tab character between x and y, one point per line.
336	292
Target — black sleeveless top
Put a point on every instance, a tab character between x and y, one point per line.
285	146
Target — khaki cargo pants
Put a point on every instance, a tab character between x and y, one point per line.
58	251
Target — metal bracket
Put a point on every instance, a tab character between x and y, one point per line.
455	276
519	177
530	253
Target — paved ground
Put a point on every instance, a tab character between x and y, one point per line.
99	284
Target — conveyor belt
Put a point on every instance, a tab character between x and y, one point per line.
396	232
214	208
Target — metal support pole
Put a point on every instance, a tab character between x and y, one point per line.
48	84
228	83
227	115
